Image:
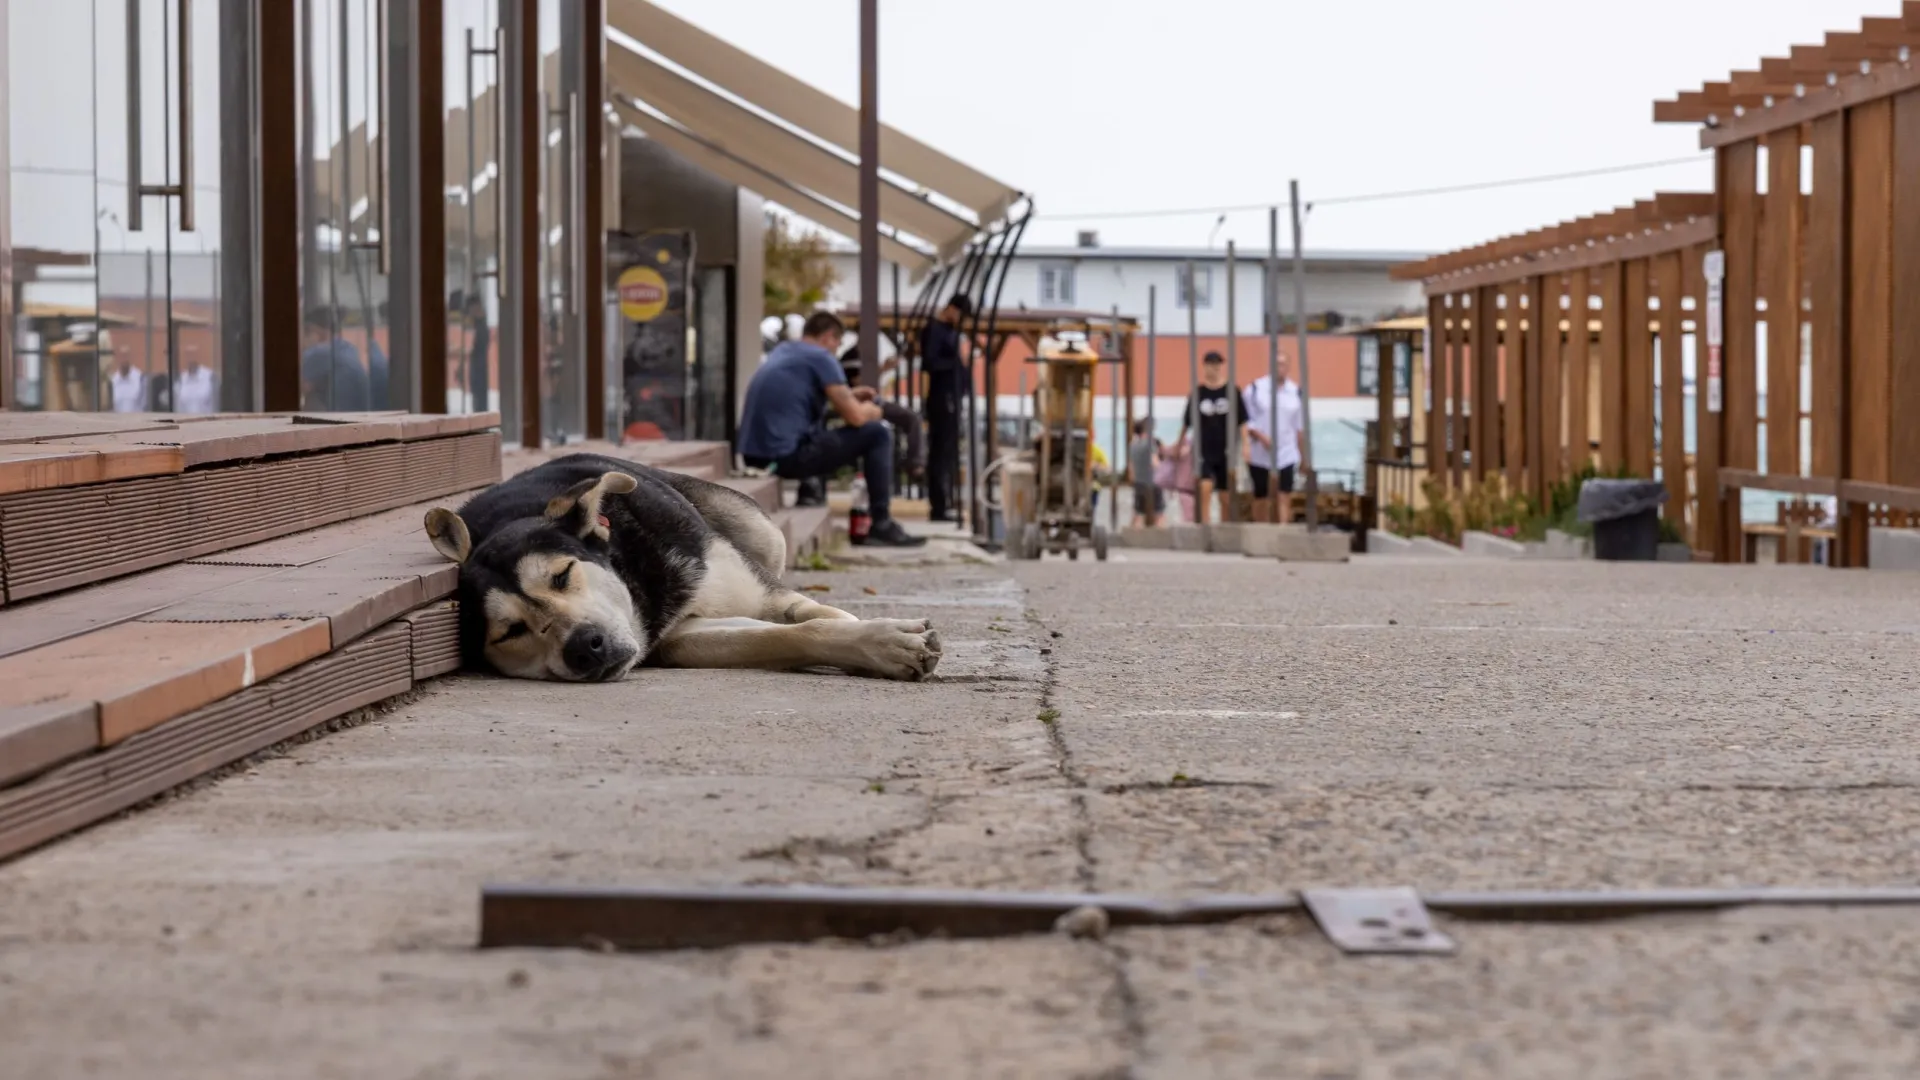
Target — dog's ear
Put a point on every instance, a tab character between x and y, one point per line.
578	511
449	534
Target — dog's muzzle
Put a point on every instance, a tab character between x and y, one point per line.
593	656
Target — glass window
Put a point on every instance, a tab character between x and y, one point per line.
1202	284
116	208
1056	285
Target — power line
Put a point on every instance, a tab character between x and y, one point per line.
1382	196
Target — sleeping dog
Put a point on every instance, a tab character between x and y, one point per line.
588	566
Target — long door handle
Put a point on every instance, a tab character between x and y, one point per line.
500	157
575	267
137	188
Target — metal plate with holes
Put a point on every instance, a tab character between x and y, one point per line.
1376	920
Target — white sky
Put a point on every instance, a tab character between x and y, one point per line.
1144	104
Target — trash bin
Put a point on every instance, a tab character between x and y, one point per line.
1625	515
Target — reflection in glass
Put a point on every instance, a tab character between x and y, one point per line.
474	212
344	363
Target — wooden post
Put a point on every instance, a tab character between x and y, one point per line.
1486	383
1672	427
523	245
430	118
1459	366
1826	275
1637	371
1539	316
1383	440
1579	370
1513	397
1706	424
1870	308
1613	363
1436	358
1740	210
1903	431
1782	291
281	322
1552	453
593	215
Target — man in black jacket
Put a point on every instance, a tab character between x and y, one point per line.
947	371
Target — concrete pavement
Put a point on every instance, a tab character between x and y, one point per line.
1175	724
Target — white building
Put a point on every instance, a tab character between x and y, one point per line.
1353	286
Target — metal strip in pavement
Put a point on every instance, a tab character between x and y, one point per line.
660	918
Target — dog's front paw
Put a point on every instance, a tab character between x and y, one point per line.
907	649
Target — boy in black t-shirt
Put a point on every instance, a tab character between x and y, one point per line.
1218	404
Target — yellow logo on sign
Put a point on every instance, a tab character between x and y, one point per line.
643	293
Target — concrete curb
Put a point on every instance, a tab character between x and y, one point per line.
1190	538
1487	545
1303	546
1258	541
1385	543
1893	549
1427	545
1226	539
1158	536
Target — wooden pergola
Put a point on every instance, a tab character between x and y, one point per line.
1543	347
1819	216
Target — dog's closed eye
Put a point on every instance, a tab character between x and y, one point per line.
512	632
562	579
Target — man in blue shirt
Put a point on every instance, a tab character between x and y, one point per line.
331	376
780	427
946	373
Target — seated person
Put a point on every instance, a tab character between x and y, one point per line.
780	428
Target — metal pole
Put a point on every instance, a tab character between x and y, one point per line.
899	339
1113	425
870	193
1193	387
1271	315
1153	308
1306	386
1233	397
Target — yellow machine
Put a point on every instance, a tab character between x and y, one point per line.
1063	458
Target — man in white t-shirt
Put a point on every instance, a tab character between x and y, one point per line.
1263	465
129	387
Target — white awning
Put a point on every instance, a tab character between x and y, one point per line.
746	175
822	163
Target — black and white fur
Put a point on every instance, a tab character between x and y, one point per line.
587	566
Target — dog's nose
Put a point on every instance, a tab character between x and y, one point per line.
586	651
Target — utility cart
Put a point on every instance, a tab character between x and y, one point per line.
1063	519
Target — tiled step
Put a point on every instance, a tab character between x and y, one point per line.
233	482
101	784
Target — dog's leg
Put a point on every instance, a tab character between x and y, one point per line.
879	648
788	606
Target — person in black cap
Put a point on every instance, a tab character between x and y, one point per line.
1218	405
946	367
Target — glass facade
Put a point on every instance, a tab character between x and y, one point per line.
177	169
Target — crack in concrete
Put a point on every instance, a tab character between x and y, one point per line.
1122	993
